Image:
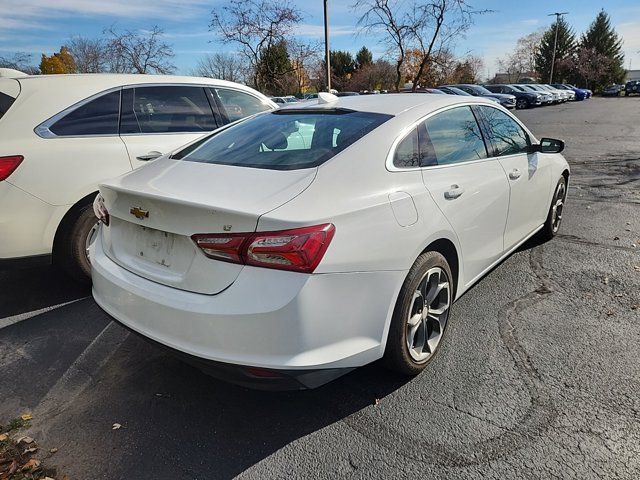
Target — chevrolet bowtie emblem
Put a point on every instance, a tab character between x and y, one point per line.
139	213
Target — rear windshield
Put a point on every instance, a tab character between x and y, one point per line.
5	102
285	139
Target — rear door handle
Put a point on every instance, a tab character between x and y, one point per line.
514	174
149	156
454	192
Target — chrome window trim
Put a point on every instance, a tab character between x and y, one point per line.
42	130
407	130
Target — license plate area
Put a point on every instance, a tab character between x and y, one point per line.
155	246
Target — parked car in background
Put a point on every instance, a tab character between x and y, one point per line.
566	95
244	252
63	134
284	100
613	90
545	97
424	90
580	94
347	94
523	99
506	100
632	88
555	95
310	96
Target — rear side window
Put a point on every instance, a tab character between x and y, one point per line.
237	104
508	137
454	136
407	154
96	117
286	139
166	109
5	103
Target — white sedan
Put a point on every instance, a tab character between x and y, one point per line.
292	247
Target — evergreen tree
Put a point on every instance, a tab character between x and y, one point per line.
364	57
566	45
342	66
603	39
275	71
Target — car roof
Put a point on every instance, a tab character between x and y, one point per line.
390	103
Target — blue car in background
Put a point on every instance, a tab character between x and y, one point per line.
581	93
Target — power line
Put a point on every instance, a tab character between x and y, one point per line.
555	41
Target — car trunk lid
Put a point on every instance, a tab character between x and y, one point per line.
154	212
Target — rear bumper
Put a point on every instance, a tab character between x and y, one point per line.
267	318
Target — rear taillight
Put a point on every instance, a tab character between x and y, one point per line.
100	210
298	250
8	165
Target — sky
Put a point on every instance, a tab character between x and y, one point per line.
42	26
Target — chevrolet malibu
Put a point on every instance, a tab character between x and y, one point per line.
292	247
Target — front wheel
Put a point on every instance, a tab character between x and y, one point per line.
521	104
554	217
420	316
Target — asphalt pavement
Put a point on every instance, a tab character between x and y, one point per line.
538	377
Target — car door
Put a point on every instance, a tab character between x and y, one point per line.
529	174
469	187
158	119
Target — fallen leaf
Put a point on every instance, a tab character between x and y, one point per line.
13	467
31	464
48	478
635	307
53	450
3	437
618	295
636	268
605	280
609	313
26	416
25	440
377	401
628	223
116	426
30	450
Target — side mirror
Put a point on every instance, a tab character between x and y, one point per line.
547	145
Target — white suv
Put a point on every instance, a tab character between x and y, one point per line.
60	135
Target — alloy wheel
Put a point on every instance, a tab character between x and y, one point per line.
558	204
428	314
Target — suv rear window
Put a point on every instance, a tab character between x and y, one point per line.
5	103
286	139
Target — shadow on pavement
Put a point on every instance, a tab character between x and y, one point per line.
29	289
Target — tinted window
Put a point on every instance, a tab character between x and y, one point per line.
286	139
508	136
407	152
454	137
97	117
238	105
5	102
166	109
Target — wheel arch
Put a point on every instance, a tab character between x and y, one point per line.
448	250
68	218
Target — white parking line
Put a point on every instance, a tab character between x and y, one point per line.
5	322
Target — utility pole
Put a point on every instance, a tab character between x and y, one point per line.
555	41
327	61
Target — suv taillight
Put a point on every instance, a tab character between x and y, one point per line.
298	249
8	165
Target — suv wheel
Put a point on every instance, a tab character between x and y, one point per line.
72	250
521	103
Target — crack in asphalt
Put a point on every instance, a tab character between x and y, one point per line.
536	419
584	241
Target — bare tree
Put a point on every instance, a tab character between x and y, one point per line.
523	58
391	17
437	24
19	61
138	52
254	26
303	56
225	66
428	28
89	54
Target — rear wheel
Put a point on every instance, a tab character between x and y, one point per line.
72	250
554	217
420	316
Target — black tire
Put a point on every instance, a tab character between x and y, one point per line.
553	223
521	104
70	250
397	356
